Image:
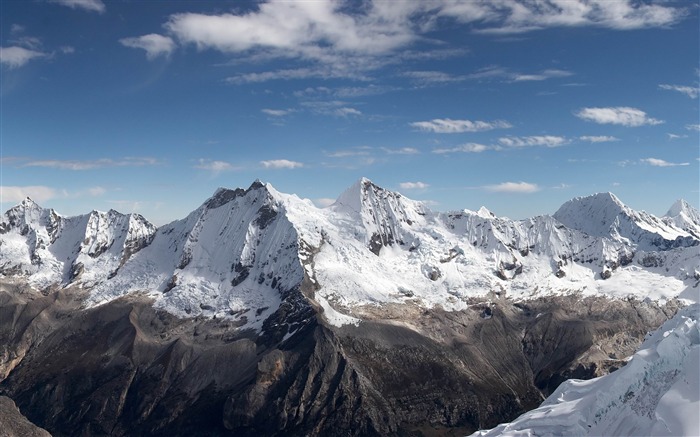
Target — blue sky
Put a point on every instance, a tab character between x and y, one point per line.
516	105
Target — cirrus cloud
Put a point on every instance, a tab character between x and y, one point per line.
598	138
450	126
38	193
689	91
215	167
276	112
620	115
414	185
88	5
464	148
15	56
154	44
513	187
281	163
78	165
536	140
661	163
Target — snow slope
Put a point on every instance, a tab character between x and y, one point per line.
241	252
657	393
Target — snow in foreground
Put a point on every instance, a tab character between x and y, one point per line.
656	394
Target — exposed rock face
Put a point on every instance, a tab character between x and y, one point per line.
14	424
125	368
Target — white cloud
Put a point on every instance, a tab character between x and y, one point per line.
661	163
94	164
676	136
287	74
536	140
512	16
357	151
449	126
88	5
413	185
432	77
17	194
464	148
561	186
334	108
346	112
281	163
689	91
496	72
513	187
215	167
544	75
29	42
300	28
598	138
155	45
695	127
337	39
401	151
324	202
276	112
622	115
15	57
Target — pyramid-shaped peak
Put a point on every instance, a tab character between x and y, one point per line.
357	194
257	184
681	206
594	214
597	202
28	202
485	213
603	198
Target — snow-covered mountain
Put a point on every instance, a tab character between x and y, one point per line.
243	251
657	393
261	314
604	215
53	249
685	217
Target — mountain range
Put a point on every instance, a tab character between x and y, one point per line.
261	313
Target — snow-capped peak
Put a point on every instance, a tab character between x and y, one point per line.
485	213
604	215
684	216
387	217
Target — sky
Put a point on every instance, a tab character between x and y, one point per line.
516	105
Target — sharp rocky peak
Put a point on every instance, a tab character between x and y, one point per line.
224	195
386	216
679	207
